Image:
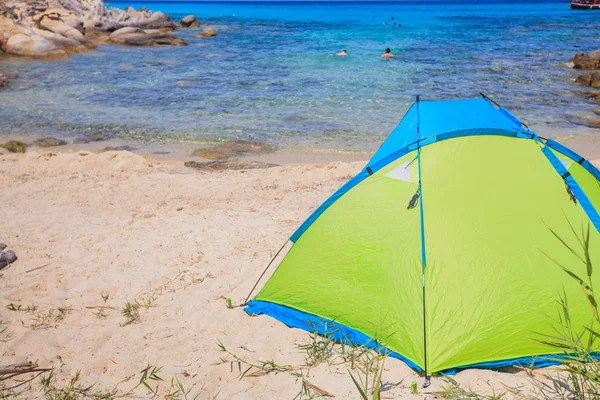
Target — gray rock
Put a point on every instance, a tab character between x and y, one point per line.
7	257
139	37
189	21
34	46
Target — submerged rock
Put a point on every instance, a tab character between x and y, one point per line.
49	142
88	139
594	123
591	79
14	146
190	21
5	79
207	32
587	61
119	148
233	148
228	165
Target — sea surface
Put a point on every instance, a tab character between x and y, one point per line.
271	73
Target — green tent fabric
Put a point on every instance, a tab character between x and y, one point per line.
444	248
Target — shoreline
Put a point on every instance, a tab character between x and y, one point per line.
179	152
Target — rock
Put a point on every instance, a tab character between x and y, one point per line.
190	22
49	142
228	165
33	46
596	110
157	20
5	79
68	44
232	149
591	79
139	37
595	124
119	148
7	257
207	32
14	146
56	25
3	246
588	61
88	139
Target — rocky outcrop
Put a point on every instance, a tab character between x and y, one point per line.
591	79
190	21
207	32
140	37
589	61
51	29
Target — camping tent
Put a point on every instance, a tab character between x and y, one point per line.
446	248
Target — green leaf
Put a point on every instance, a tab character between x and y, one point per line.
363	395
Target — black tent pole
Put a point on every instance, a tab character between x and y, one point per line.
263	274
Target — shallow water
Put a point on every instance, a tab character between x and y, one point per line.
271	74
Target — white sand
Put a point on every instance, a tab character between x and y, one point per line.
121	225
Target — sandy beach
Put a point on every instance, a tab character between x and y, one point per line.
96	231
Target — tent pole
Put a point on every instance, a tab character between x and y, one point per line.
263	274
423	254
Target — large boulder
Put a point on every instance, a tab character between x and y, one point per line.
139	37
56	25
189	21
68	44
207	32
34	46
65	16
587	61
145	19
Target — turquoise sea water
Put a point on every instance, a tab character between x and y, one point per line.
270	74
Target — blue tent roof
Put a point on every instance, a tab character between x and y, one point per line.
437	120
438	117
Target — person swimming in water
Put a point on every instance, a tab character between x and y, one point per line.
387	54
342	53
